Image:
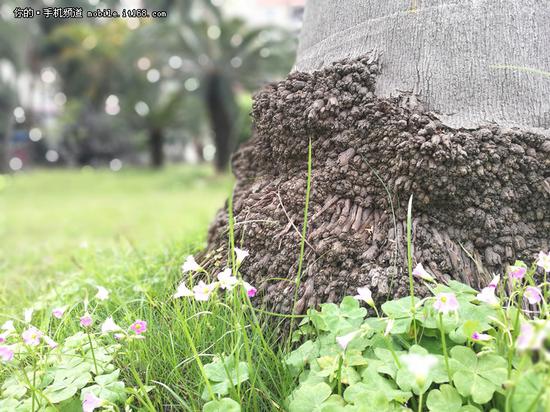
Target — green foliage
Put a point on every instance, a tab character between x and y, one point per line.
381	368
54	378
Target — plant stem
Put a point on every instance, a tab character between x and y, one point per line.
302	241
93	353
444	346
409	265
33	382
340	362
420	401
197	359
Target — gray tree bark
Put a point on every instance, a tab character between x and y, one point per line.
397	103
473	61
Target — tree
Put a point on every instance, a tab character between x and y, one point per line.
12	40
397	102
223	54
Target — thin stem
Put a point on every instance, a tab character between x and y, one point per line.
93	353
392	350
197	359
33	382
340	362
444	346
409	265
302	241
420	399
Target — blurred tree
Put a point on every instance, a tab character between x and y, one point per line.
88	60
11	60
221	54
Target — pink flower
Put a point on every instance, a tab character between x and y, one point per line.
526	338
3	337
58	312
516	272
344	341
91	402
250	290
421	273
481	336
6	353
203	291
139	327
181	291
86	320
532	294
102	293
543	261
50	342
31	336
446	302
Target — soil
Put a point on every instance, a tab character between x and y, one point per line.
481	197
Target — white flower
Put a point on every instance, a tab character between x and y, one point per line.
419	365
344	341
389	327
102	293
226	279
203	291
50	342
544	261
109	325
182	290
365	295
421	273
8	326
241	254
190	265
28	315
488	296
494	282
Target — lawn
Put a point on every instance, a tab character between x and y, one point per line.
53	221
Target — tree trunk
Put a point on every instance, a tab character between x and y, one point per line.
5	136
156	147
219	99
481	195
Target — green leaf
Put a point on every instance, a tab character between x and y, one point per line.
222	405
446	398
225	373
477	377
528	392
309	398
60	394
107	379
300	357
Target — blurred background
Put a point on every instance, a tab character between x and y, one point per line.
124	127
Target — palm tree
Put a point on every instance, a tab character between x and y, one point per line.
432	99
223	54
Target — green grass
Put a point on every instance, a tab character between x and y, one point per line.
138	228
50	221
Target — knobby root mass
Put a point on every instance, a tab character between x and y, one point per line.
481	197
